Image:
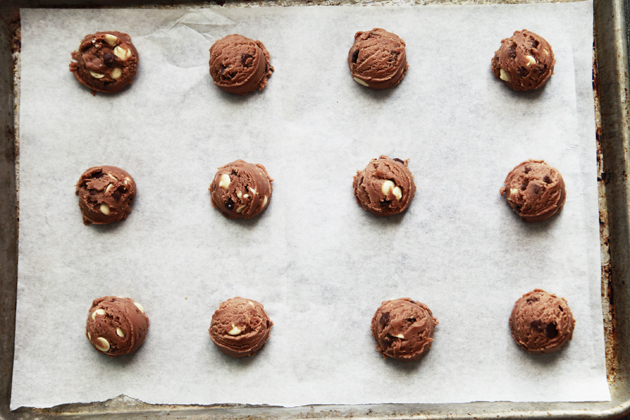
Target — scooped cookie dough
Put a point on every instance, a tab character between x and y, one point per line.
541	322
239	65
385	187
403	329
105	61
240	327
534	190
116	325
241	190
105	195
524	61
378	59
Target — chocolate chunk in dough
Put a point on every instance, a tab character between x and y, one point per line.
534	190
385	187
240	327
105	195
541	322
403	329
105	61
241	190
524	61
239	65
378	59
116	325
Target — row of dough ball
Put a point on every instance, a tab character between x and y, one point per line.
108	61
402	328
533	189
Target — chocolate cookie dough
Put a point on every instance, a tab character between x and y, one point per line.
403	329
240	327
534	190
524	61
105	61
239	65
116	325
105	195
378	59
541	322
385	187
241	190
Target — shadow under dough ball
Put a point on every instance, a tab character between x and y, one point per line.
239	65
403	329
385	187
241	190
240	327
116	325
105	195
378	59
541	322
105	62
524	61
534	190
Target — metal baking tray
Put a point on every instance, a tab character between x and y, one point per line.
610	87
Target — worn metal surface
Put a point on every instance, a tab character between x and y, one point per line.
610	83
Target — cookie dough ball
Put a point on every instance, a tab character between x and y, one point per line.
534	190
378	59
525	61
105	195
403	329
241	190
385	187
105	61
240	327
116	325
239	65
541	322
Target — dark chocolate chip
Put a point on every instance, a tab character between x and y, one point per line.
399	160
385	203
537	325
512	50
268	323
223	69
532	299
247	60
355	56
535	188
522	71
551	331
560	307
547	179
517	208
525	184
527	169
384	318
534	43
116	195
109	59
411	319
230	204
98	174
387	341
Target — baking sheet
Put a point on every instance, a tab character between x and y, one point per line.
318	262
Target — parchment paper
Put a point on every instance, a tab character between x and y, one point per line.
319	263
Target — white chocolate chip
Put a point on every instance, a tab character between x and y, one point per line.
89	336
239	194
111	39
101	344
235	330
387	187
225	181
105	209
545	51
116	73
264	201
109	187
122	53
246	195
127	179
97	75
531	59
359	81
399	336
112	175
250	302
120	332
397	193
240	209
139	306
98	312
504	75
253	191
513	191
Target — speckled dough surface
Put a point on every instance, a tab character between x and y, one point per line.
534	190
385	187
239	65
105	61
241	190
116	325
105	194
541	322
378	59
524	61
403	329
240	327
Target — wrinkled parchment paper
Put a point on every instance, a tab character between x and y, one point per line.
319	263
